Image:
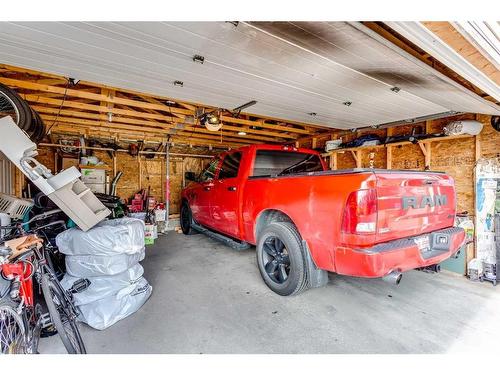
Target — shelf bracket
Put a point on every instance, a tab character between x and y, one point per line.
357	157
426	151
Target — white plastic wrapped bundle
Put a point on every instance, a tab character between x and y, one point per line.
471	127
110	237
105	312
103	286
101	265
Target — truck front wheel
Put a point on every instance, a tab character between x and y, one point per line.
281	259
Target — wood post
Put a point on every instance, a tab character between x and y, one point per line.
333	161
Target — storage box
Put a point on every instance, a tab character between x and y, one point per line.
160	215
93	176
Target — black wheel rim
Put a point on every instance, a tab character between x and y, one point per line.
276	260
185	219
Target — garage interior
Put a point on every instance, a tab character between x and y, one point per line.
131	99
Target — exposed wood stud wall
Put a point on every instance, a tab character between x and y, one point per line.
455	156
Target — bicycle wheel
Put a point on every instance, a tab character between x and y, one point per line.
12	330
62	315
11	104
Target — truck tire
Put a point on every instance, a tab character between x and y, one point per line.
281	259
186	219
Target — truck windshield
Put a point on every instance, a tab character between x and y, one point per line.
279	163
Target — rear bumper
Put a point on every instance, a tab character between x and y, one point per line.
399	255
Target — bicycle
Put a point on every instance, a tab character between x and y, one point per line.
22	261
45	225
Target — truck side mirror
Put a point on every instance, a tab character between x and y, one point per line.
190	176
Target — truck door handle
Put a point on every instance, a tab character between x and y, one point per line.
231	188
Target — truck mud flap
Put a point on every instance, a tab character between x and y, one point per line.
316	278
235	245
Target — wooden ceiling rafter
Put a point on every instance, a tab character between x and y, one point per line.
87	108
134	121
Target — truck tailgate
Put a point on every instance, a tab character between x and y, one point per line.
412	203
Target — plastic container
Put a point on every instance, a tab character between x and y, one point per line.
65	189
149	237
16	208
160	215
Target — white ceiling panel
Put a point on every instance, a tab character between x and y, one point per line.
290	69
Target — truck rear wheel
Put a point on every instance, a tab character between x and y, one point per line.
186	219
281	259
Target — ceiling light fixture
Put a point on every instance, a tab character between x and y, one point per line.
211	121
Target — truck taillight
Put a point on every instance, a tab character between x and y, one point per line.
360	212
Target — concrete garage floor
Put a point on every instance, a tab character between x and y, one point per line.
208	298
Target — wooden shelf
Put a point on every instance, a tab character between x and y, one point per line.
427	140
424	144
340	150
431	140
106	167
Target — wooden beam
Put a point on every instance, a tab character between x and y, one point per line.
445	31
112	128
138	104
121	121
314	142
333	162
170	121
389	156
295	126
147	137
89	95
263	125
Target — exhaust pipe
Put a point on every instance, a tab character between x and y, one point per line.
393	277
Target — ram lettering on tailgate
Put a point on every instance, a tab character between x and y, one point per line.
425	200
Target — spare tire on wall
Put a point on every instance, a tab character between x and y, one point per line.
11	104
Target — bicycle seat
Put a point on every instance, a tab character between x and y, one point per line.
23	244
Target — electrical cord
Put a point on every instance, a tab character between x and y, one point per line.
60	107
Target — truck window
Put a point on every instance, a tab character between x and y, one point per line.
279	163
230	166
209	172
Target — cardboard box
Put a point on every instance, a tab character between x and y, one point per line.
69	162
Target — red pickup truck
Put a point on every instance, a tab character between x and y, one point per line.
306	220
